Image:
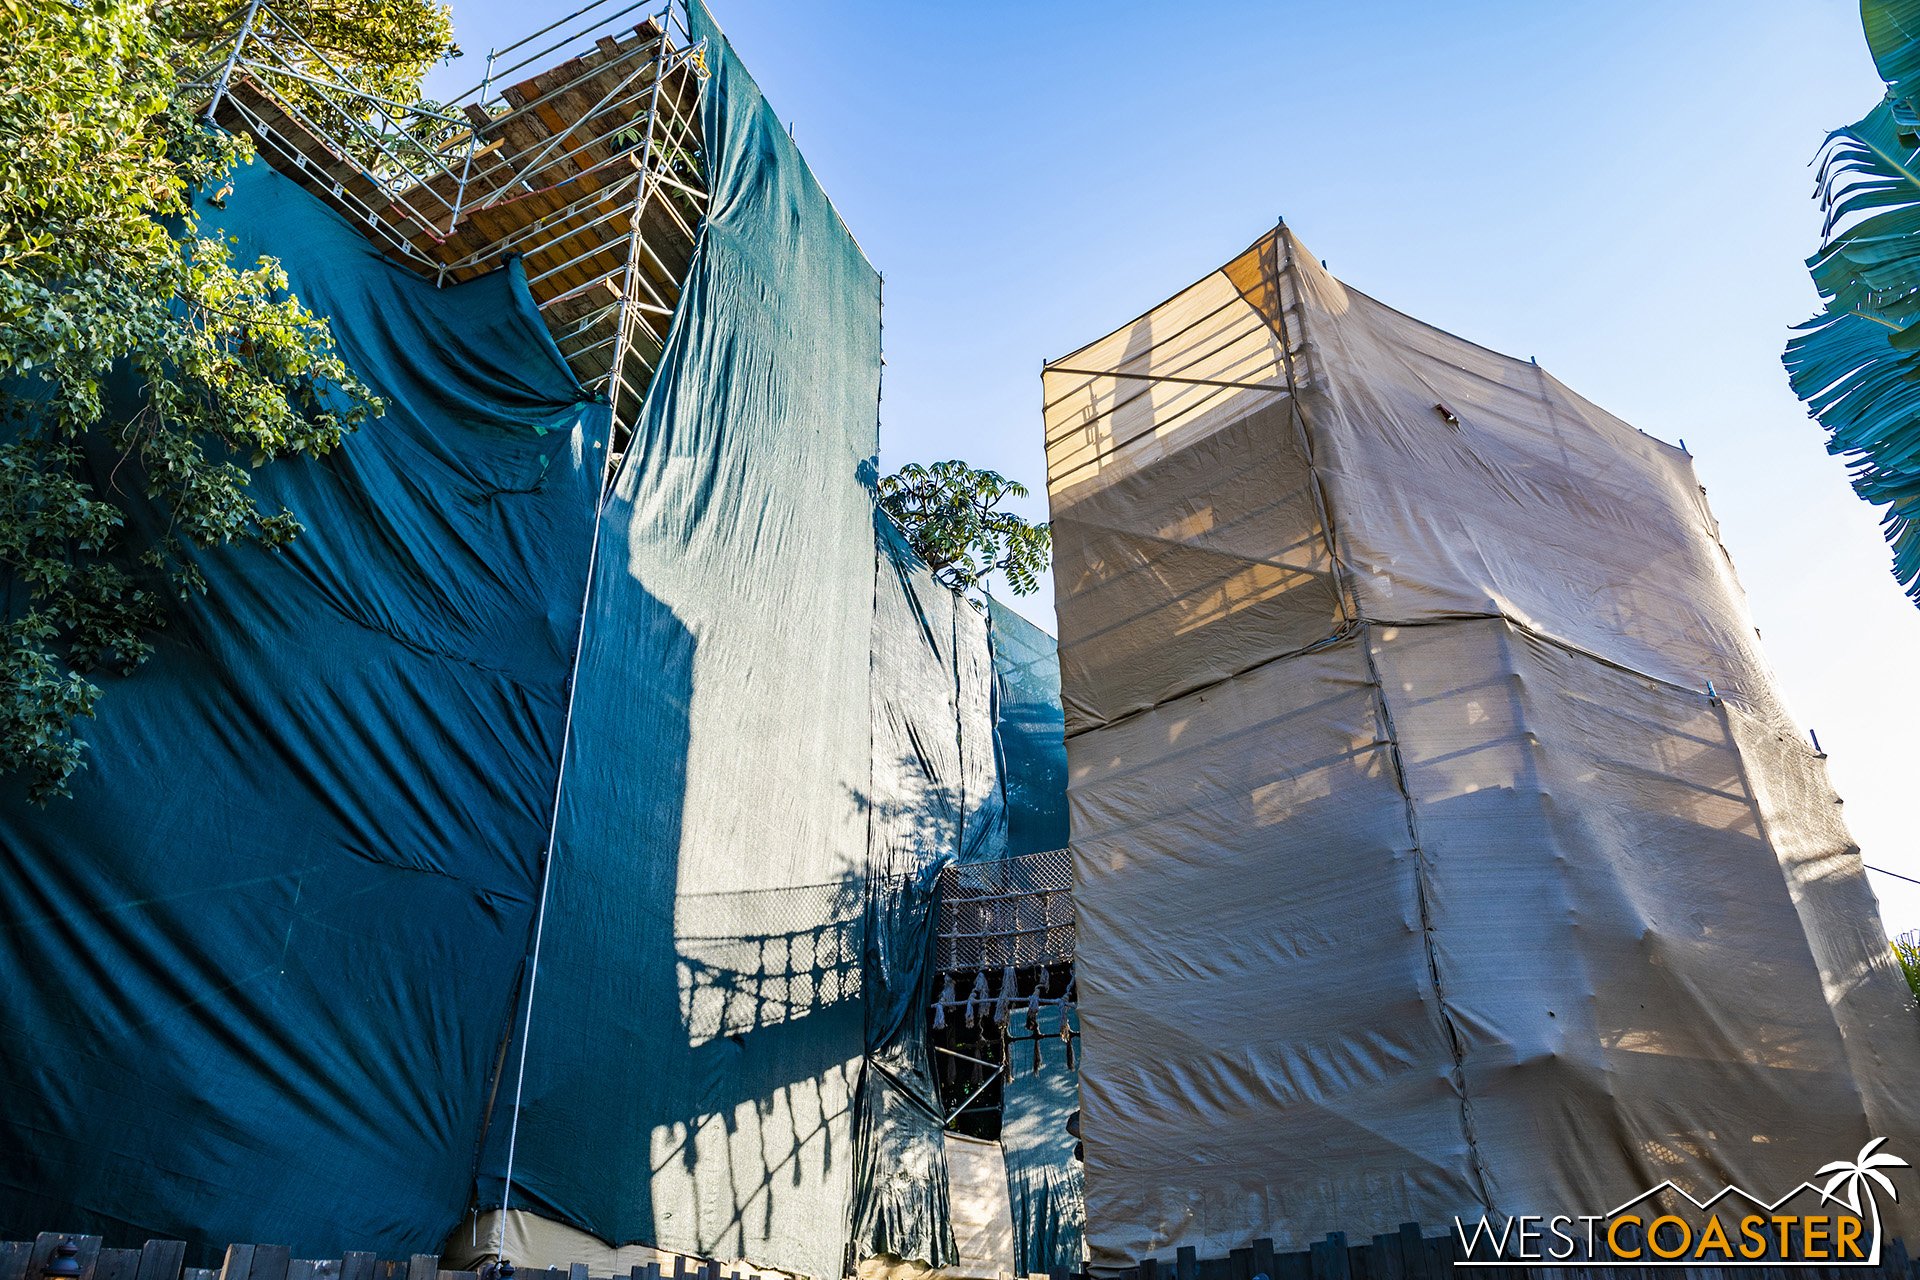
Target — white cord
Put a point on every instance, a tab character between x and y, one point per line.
546	868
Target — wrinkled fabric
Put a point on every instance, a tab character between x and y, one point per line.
254	975
936	798
1044	1187
1442	841
696	1028
1029	731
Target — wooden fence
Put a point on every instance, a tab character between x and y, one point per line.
56	1256
1411	1254
1408	1254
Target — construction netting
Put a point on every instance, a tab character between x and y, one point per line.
692	1027
372	910
254	975
1442	843
1030	731
935	798
1038	1101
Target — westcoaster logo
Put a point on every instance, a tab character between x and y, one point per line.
1837	1225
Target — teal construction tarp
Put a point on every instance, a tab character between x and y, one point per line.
273	973
254	975
1044	1188
697	1031
936	798
1030	731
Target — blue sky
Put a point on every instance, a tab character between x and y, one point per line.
1621	190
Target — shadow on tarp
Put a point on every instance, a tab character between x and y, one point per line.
254	974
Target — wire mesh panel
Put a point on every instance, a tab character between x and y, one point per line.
1012	912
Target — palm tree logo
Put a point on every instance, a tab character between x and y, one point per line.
1859	1175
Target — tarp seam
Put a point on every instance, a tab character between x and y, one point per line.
1424	904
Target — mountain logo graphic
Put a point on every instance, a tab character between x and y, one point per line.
1733	1227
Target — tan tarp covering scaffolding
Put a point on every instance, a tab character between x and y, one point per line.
1441	840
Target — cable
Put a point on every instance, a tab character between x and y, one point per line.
1895	874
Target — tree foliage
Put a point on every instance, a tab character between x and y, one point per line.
1906	951
1857	364
143	371
950	515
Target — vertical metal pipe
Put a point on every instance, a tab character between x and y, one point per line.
617	384
226	71
466	164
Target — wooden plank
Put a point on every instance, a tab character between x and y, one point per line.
14	1256
1413	1253
423	1266
200	1273
1240	1264
1186	1265
47	1248
270	1262
303	1269
1330	1260
357	1266
117	1264
1263	1260
1383	1258
239	1262
161	1260
578	1271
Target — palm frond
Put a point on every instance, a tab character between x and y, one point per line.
1893	34
1852	1183
1857	364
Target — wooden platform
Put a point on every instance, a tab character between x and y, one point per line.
590	172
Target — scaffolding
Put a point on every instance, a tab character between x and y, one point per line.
587	165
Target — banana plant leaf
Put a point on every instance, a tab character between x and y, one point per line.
1857	364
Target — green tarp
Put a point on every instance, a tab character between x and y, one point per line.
696	1025
1043	1178
936	798
272	973
254	975
1029	731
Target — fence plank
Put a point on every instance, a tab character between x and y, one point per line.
270	1262
239	1262
86	1252
14	1256
1329	1258
1383	1258
161	1260
117	1264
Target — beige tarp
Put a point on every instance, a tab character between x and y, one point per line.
1442	842
532	1242
982	1212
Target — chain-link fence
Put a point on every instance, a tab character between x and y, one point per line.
1008	913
